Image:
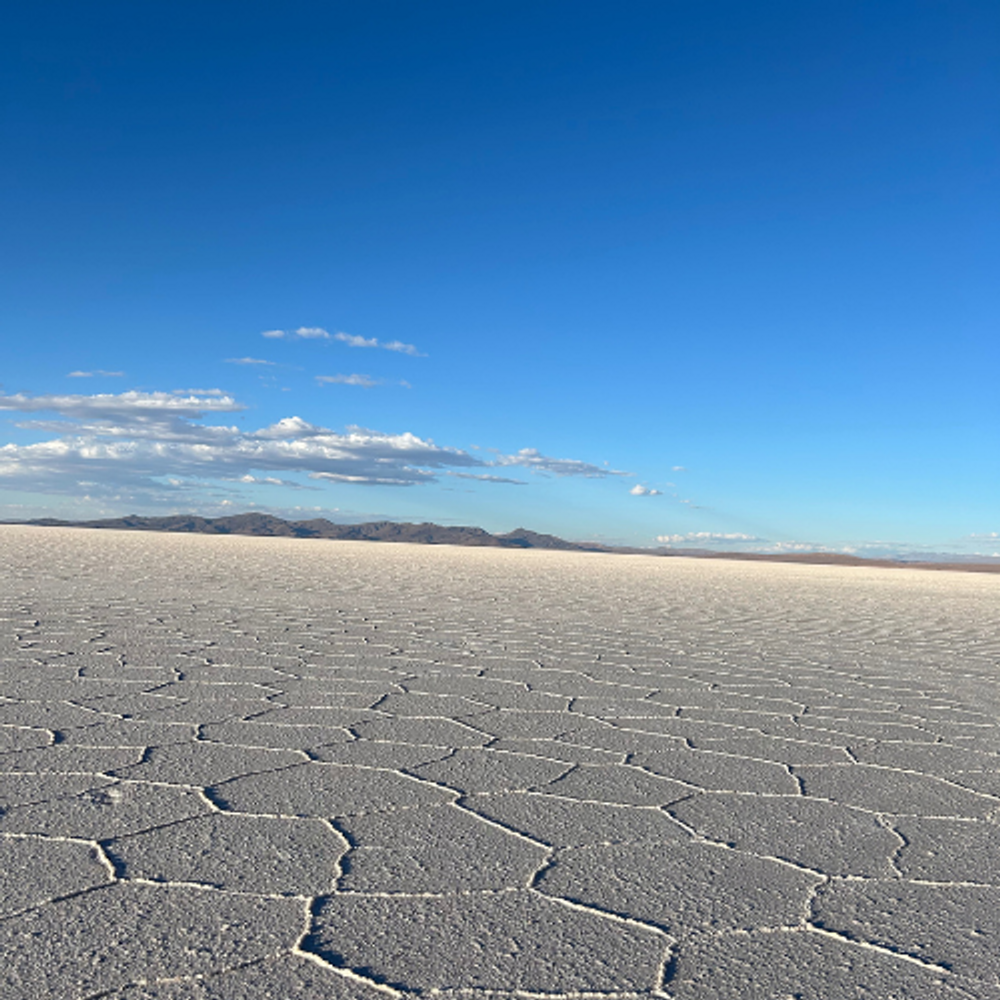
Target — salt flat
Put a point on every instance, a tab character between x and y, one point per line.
249	767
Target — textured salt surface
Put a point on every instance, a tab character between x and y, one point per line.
245	768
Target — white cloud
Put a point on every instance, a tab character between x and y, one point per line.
484	478
677	468
150	446
156	448
531	458
365	381
132	405
401	348
302	333
740	542
289	427
352	340
705	537
644	491
99	372
369	478
273	481
249	361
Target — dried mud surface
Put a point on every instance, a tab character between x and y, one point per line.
265	768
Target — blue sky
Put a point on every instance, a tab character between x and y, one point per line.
716	273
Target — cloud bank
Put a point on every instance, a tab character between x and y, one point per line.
153	446
131	406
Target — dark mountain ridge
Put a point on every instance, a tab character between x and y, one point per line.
267	525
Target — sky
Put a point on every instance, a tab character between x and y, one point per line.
714	274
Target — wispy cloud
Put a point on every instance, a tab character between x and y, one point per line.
485	478
97	373
706	537
737	541
302	333
806	547
401	348
250	361
644	491
351	339
273	481
532	458
365	381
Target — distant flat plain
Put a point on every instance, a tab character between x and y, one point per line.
242	767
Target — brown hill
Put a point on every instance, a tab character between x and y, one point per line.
374	531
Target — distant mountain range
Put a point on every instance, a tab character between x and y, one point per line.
266	525
374	531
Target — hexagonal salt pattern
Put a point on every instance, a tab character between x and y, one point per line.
238	769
